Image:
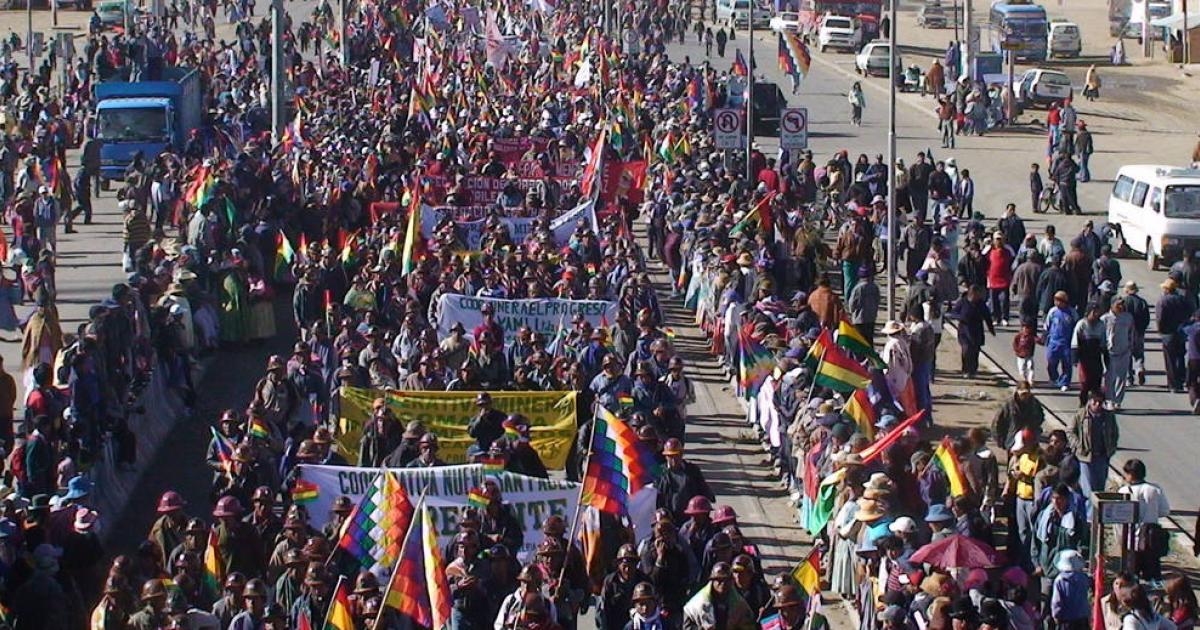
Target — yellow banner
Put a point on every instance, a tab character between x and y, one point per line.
550	415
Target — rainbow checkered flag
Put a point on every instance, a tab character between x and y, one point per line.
618	466
375	530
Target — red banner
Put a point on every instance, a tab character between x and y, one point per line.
623	181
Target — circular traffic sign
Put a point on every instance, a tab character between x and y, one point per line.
793	121
727	121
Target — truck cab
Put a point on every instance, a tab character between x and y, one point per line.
146	117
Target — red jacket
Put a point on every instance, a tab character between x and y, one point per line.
999	272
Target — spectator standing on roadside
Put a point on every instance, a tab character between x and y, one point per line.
1172	312
1119	336
1153	505
1136	306
1094	436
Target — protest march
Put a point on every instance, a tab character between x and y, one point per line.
515	277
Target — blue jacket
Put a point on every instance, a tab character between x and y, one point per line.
1069	600
1060	323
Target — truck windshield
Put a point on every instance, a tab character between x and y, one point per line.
1183	202
133	125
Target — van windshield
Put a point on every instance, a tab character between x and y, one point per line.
837	23
1183	202
742	5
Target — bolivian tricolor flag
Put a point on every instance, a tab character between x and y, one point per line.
849	338
839	372
946	459
760	215
340	617
808	573
859	409
816	351
214	564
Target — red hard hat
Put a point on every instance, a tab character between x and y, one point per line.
724	514
170	501
227	506
698	505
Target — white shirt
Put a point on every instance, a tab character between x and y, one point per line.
1152	501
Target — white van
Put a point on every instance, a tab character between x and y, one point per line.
733	12
1156	210
1063	39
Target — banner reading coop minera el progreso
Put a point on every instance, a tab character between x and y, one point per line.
540	315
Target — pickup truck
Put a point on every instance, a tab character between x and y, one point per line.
146	117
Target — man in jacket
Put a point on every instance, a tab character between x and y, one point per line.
864	303
1020	412
1094	437
916	240
718	604
1083	150
1057	331
1057	528
1136	306
825	304
1172	312
679	481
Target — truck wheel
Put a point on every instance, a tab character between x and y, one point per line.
1151	260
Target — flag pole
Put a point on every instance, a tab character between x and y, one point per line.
404	545
579	504
329	610
812	387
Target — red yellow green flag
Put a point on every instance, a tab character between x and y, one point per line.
946	459
839	372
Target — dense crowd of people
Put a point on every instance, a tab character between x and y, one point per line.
494	155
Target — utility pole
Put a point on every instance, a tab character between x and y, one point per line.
891	170
1187	40
750	97
29	33
969	36
344	6
277	104
1147	45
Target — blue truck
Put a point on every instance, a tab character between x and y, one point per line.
147	117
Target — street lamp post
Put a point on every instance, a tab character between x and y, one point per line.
750	97
891	200
277	105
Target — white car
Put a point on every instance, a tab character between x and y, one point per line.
873	60
1039	87
786	22
837	31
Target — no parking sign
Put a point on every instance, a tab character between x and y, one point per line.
793	128
727	128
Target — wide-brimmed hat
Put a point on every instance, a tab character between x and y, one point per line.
879	481
938	513
78	487
892	327
869	510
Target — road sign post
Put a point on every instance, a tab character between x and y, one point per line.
728	125
793	128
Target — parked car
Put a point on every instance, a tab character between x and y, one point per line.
1063	39
1041	86
839	32
932	15
787	21
112	12
872	60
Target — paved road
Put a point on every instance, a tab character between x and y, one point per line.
1156	425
